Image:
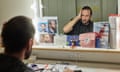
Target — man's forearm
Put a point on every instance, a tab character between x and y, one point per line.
68	27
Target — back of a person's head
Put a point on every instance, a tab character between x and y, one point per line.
16	33
87	8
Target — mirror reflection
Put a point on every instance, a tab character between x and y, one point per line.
65	10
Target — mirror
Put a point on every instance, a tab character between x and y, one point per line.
65	10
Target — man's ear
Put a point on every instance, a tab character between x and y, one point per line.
29	44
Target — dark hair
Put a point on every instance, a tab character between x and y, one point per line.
16	33
87	8
49	21
42	24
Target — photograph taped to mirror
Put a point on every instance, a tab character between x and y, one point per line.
42	26
46	38
46	29
52	24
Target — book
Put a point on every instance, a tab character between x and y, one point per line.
73	40
102	30
87	40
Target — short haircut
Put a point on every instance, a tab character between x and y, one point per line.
16	33
87	8
49	21
42	24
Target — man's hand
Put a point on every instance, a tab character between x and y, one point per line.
79	13
68	27
77	18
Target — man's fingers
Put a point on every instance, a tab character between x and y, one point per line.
79	14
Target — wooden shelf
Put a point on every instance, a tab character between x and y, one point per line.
101	50
79	54
78	49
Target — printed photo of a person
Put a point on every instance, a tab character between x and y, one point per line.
42	27
52	26
46	38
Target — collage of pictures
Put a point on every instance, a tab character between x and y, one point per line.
47	28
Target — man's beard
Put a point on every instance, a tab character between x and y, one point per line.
27	54
85	22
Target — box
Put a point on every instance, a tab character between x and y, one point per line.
118	32
114	20
102	30
60	40
87	40
73	40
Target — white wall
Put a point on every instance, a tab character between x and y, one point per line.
118	6
10	8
